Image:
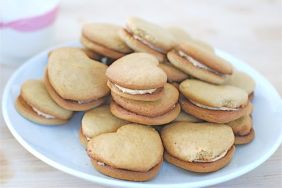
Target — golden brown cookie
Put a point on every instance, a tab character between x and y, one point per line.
103	39
134	153
70	104
40	109
138	76
198	147
145	120
144	36
200	63
75	81
150	108
213	103
216	116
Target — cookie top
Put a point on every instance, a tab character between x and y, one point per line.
241	80
150	108
35	95
151	33
205	57
133	147
197	142
74	76
220	96
137	71
106	35
100	120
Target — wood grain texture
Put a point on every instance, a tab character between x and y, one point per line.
250	30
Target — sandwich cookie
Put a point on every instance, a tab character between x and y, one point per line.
74	81
144	36
173	74
158	112
103	39
181	36
98	121
137	76
35	104
134	153
183	116
198	147
213	103
200	63
243	81
243	129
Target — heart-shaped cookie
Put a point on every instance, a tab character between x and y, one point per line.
137	76
76	79
134	152
213	103
137	71
198	147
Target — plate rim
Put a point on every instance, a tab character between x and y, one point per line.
114	182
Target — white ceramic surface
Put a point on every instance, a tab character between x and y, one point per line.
59	146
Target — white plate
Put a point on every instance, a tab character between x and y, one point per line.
59	146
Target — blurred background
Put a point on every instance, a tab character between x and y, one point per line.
250	30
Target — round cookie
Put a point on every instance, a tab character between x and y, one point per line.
103	39
40	109
198	147
243	81
242	129
75	81
137	76
173	74
150	108
98	121
200	63
144	36
134	153
221	104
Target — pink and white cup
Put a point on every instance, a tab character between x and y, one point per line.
26	26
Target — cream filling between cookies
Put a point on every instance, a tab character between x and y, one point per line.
143	41
81	102
196	63
47	116
135	91
213	159
213	108
101	163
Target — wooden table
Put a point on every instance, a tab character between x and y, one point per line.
250	30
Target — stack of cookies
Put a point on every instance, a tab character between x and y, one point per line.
139	91
149	93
